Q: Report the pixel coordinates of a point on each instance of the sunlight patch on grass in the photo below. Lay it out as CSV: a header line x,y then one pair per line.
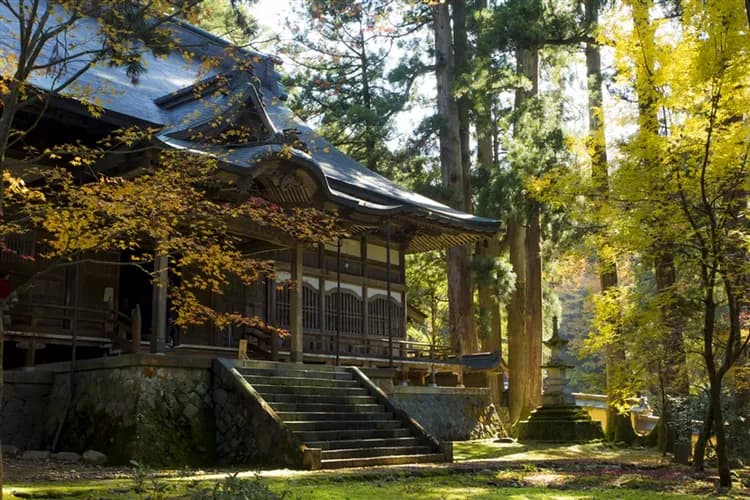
x,y
491,450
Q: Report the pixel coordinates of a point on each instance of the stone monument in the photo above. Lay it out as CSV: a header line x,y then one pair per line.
x,y
558,419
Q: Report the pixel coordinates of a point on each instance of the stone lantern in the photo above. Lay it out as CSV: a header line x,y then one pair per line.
x,y
558,419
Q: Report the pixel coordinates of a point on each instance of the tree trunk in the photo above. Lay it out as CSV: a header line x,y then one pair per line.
x,y
526,300
459,277
534,326
2,387
461,57
489,306
699,453
517,359
722,455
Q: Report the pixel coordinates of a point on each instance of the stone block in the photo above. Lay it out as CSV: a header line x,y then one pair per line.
x,y
36,455
66,456
10,451
94,457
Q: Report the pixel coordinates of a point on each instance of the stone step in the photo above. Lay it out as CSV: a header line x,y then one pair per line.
x,y
363,443
308,390
298,372
284,365
334,415
330,425
300,381
350,434
326,407
273,397
375,452
382,460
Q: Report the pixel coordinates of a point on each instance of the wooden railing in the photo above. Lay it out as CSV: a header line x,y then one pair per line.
x,y
370,347
57,319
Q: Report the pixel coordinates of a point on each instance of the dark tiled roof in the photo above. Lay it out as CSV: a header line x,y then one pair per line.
x,y
161,97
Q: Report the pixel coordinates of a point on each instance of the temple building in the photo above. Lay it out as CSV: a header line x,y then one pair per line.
x,y
349,307
354,287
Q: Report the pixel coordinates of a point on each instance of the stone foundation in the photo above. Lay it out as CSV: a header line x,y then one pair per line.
x,y
154,409
564,424
450,413
24,409
248,430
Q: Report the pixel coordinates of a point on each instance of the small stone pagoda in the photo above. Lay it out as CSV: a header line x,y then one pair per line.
x,y
558,419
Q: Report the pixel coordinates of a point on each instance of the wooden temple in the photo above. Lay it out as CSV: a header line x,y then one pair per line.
x,y
351,306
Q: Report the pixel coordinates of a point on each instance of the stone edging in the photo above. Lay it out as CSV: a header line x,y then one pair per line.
x,y
309,458
127,361
445,447
480,391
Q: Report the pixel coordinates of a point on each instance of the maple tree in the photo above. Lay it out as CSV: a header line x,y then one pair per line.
x,y
679,188
78,212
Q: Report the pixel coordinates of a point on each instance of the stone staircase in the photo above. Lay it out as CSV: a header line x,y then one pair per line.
x,y
334,410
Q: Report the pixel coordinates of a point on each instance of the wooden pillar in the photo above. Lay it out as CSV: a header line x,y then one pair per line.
x,y
365,290
135,334
295,306
159,320
389,308
404,316
338,300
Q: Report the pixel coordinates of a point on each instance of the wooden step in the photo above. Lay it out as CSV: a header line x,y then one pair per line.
x,y
335,415
326,407
375,452
288,397
298,373
361,443
340,463
307,390
342,425
348,434
300,381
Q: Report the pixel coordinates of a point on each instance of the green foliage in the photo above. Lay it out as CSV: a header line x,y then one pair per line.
x,y
233,487
356,63
231,19
147,484
426,277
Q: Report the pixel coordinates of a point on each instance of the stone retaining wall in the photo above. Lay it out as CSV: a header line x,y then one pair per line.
x,y
154,409
248,430
24,407
449,413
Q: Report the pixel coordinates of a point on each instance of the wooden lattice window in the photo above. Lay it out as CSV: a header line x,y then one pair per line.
x,y
281,313
18,249
310,307
351,312
377,317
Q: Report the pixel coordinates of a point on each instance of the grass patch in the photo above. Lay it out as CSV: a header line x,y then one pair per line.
x,y
384,485
538,452
489,470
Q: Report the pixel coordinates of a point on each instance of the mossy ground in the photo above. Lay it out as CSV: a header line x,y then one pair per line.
x,y
483,469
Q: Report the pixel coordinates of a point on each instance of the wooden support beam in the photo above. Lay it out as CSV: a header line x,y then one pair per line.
x,y
295,306
159,320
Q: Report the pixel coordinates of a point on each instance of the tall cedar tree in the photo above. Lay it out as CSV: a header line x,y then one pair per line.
x,y
619,428
460,294
356,63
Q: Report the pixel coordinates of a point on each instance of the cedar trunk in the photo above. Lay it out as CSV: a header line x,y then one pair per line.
x,y
619,427
524,309
534,325
518,362
461,314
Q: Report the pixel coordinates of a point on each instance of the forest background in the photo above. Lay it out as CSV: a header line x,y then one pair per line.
x,y
609,138
627,216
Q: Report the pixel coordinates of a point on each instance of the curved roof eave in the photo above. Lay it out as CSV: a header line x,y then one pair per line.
x,y
241,160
